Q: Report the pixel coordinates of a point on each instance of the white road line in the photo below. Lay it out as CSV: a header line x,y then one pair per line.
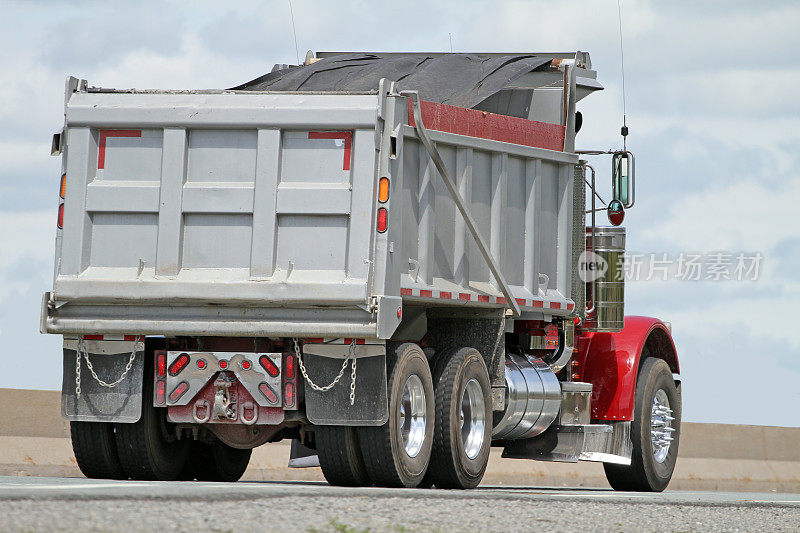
x,y
73,486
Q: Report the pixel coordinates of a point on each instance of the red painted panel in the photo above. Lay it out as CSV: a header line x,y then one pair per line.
x,y
610,362
347,136
101,145
475,123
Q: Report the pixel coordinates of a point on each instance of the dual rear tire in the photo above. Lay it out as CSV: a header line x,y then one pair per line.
x,y
397,453
438,431
150,448
463,421
141,451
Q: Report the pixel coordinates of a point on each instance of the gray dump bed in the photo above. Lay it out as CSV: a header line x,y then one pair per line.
x,y
255,213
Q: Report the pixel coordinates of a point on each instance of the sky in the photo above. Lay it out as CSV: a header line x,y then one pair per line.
x,y
710,102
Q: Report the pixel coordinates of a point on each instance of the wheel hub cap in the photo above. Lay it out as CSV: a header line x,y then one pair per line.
x,y
473,418
413,416
661,426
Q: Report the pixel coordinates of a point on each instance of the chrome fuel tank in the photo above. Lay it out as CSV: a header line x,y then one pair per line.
x,y
533,398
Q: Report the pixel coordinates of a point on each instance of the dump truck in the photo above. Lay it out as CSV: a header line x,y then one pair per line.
x,y
391,259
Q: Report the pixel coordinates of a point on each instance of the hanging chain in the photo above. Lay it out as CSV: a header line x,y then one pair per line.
x,y
351,356
81,351
78,370
353,379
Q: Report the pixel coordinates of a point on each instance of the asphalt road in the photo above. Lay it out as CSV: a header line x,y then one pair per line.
x,y
69,504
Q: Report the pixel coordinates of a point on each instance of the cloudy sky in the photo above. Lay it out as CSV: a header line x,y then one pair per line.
x,y
711,104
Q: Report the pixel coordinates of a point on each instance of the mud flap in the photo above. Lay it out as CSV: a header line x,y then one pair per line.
x,y
96,403
332,407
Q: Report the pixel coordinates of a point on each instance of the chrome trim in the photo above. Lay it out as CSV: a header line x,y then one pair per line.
x,y
533,398
413,416
473,418
566,345
661,426
607,443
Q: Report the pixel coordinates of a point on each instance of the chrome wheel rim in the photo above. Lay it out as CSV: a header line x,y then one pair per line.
x,y
473,418
413,415
661,426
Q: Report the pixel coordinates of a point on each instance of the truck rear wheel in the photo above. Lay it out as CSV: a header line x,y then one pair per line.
x,y
462,435
216,461
150,449
96,450
655,432
340,457
397,453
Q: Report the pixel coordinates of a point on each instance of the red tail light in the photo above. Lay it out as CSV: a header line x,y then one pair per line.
x,y
160,398
383,219
268,392
288,367
161,364
63,188
268,365
178,365
178,391
246,364
223,364
288,394
61,216
201,364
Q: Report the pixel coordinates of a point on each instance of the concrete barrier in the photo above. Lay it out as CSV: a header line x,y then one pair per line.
x,y
34,441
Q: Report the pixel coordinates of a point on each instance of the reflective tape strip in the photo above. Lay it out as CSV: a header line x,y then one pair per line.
x,y
535,303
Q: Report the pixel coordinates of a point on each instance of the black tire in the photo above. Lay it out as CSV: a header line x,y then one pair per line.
x,y
451,467
216,461
96,450
340,457
148,449
385,457
645,474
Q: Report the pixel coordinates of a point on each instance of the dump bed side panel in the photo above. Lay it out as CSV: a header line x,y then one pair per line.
x,y
522,200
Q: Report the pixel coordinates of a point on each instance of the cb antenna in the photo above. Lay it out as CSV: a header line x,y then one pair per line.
x,y
294,32
624,129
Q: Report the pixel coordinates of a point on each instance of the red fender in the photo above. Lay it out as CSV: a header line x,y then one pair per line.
x,y
610,362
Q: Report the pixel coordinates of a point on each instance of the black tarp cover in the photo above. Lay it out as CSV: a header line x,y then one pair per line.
x,y
462,80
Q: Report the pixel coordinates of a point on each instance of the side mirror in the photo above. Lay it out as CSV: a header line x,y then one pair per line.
x,y
623,185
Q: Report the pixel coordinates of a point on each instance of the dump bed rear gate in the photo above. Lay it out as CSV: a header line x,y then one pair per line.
x,y
181,200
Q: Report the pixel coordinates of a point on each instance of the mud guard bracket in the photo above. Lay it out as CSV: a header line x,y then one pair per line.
x,y
96,403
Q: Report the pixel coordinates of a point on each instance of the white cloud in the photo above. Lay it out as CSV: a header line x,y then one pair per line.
x,y
744,215
27,241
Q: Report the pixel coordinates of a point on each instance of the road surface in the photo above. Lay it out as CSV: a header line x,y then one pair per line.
x,y
72,504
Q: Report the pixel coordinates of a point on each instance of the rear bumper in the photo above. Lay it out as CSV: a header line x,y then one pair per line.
x,y
230,321
172,319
